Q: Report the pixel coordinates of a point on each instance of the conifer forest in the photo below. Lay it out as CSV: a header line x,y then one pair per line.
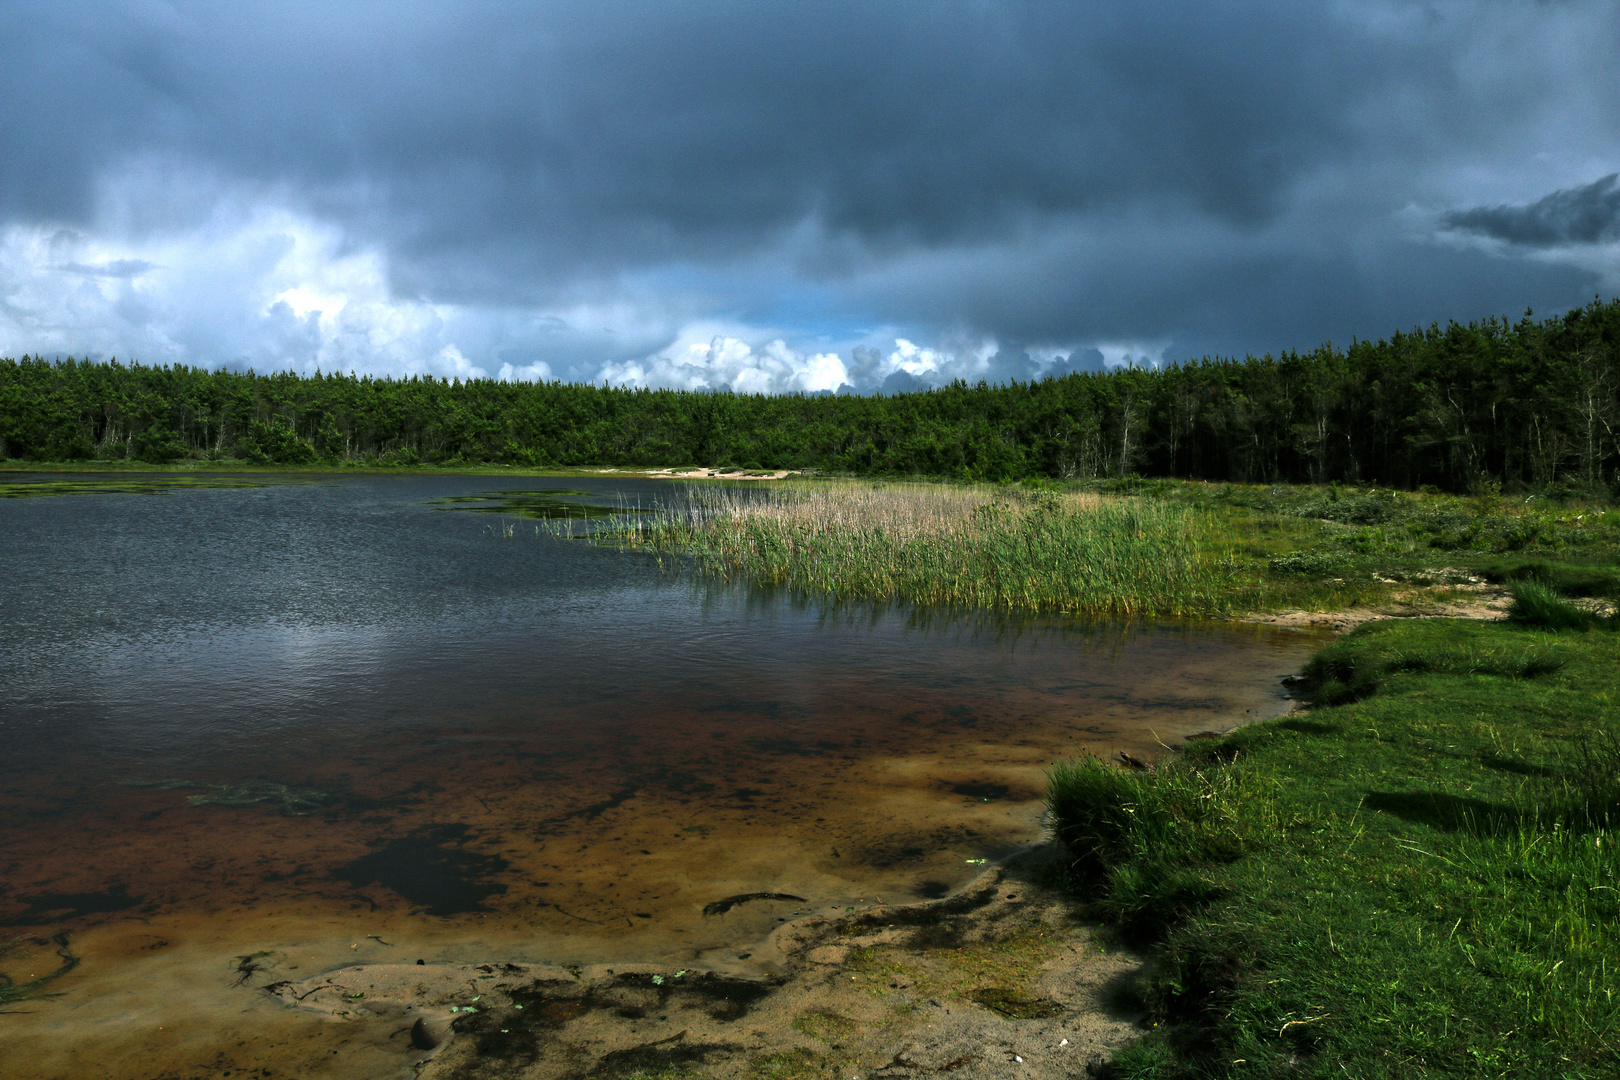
x,y
1533,403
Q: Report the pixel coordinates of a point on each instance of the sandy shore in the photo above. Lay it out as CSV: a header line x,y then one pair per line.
x,y
999,980
1467,600
707,473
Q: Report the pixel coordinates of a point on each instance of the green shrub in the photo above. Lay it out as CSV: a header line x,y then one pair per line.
x,y
1306,564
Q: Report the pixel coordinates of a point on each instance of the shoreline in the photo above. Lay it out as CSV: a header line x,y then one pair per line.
x,y
161,991
651,472
998,979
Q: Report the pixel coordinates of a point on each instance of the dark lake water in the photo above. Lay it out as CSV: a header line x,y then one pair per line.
x,y
301,714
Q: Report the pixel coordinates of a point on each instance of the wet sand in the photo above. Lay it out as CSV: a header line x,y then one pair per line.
x,y
996,981
599,837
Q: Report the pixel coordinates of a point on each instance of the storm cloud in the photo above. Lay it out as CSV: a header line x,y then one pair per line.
x,y
1581,215
789,196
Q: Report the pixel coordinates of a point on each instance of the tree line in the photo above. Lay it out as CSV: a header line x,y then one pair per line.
x,y
1528,403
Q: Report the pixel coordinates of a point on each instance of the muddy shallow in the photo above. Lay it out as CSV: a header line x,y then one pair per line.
x,y
263,734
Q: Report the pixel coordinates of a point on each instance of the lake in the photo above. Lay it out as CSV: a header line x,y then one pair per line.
x,y
344,719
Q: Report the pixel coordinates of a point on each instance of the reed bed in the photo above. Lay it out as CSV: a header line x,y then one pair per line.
x,y
977,546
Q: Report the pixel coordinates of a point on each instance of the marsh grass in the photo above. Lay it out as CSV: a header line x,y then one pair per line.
x,y
1142,843
981,546
1421,881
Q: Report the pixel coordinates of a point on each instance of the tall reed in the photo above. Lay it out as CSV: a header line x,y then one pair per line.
x,y
978,546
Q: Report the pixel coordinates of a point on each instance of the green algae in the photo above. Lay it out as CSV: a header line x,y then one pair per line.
x,y
291,801
544,504
116,485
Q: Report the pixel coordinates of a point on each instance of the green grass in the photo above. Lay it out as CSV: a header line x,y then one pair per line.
x,y
998,547
1562,541
1133,548
1536,604
1418,881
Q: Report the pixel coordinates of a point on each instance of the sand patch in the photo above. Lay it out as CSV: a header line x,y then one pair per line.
x,y
997,980
1468,600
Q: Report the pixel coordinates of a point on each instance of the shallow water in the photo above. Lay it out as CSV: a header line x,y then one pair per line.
x,y
333,722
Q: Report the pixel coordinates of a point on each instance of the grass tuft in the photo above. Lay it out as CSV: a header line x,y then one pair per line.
x,y
1364,662
1536,604
1139,840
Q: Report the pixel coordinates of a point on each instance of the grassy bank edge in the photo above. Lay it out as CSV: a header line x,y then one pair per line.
x,y
1415,877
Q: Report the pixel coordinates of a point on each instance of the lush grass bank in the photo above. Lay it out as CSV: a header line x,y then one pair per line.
x,y
1418,877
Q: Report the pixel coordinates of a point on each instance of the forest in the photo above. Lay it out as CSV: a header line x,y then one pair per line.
x,y
1527,404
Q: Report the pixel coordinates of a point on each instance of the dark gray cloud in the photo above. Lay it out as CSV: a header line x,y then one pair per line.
x,y
1224,176
617,130
1589,214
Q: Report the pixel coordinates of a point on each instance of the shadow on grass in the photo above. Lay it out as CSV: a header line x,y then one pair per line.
x,y
1502,763
1310,727
1451,813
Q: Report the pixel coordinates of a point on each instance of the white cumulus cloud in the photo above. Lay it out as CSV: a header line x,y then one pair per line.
x,y
703,357
264,288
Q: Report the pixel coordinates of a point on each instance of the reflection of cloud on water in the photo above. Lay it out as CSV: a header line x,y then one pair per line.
x,y
256,680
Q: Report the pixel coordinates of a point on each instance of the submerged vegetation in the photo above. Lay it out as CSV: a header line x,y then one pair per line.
x,y
31,952
40,488
543,504
1533,403
291,801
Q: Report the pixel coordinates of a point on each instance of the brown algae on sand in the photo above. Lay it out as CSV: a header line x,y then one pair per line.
x,y
998,980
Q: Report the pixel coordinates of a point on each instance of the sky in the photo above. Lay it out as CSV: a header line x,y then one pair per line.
x,y
792,195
